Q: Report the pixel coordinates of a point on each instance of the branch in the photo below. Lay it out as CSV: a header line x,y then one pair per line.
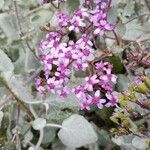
x,y
136,18
17,99
21,29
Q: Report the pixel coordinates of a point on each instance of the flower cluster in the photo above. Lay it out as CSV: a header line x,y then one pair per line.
x,y
61,55
89,94
88,18
138,58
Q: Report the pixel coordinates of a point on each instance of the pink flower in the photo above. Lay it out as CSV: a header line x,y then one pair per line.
x,y
53,84
41,89
103,26
91,81
63,19
82,12
64,74
84,41
84,105
103,5
76,22
79,91
97,100
63,92
113,99
108,78
80,66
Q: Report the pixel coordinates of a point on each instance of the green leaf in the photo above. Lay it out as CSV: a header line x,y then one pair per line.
x,y
118,67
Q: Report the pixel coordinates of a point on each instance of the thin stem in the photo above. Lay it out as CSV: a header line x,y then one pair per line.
x,y
54,5
33,112
40,139
109,4
18,143
17,17
33,102
136,18
54,125
31,49
21,29
116,37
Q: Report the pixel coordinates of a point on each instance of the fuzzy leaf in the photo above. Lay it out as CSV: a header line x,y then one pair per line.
x,y
5,63
122,83
140,143
17,86
77,132
9,26
70,6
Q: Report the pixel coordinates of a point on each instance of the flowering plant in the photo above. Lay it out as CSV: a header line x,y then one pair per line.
x,y
74,74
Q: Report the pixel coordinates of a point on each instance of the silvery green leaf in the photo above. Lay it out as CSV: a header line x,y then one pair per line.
x,y
16,85
28,3
49,135
8,24
133,31
53,20
122,83
57,145
5,63
120,29
146,27
1,4
69,101
110,43
103,138
28,137
39,123
116,2
77,132
140,143
129,8
20,63
112,15
119,140
70,6
31,62
94,146
57,114
40,17
128,146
